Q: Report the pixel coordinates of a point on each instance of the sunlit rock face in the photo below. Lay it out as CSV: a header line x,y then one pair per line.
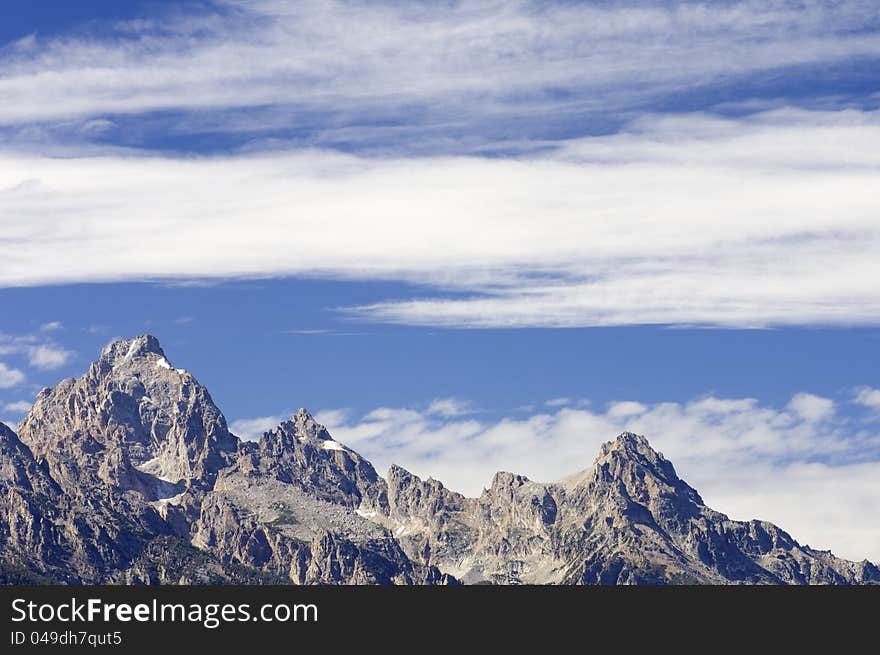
x,y
129,474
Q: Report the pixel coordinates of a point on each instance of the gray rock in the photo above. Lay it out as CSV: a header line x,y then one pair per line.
x,y
627,520
132,422
129,474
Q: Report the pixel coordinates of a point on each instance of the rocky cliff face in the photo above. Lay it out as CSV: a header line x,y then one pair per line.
x,y
129,474
629,519
156,489
133,422
297,504
94,536
29,497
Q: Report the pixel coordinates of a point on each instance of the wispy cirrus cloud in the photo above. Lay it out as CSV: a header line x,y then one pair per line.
x,y
817,478
388,73
762,221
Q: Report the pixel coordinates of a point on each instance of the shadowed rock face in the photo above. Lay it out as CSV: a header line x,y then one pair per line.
x,y
47,535
29,495
129,474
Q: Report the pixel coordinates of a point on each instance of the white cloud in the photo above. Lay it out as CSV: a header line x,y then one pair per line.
x,y
746,459
18,407
10,377
40,353
561,402
754,222
867,397
14,345
48,357
626,408
449,407
812,408
251,429
356,58
332,416
51,326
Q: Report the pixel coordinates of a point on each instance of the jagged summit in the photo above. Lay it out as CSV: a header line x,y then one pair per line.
x,y
300,426
134,452
644,473
301,452
627,449
507,480
635,449
127,349
306,425
630,440
631,444
398,470
141,356
132,420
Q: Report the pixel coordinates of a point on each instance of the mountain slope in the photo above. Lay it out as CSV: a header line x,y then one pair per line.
x,y
629,519
106,536
132,422
129,474
140,448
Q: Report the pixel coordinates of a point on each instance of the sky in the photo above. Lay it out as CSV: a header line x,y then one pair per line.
x,y
469,236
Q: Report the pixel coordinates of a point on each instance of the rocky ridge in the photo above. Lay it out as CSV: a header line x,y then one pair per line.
x,y
129,474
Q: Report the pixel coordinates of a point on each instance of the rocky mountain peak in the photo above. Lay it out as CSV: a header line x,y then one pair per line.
x,y
416,502
300,427
397,473
300,503
630,450
507,482
128,362
301,452
629,443
636,472
306,426
132,420
124,350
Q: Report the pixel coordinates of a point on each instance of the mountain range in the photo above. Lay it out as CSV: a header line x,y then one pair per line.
x,y
130,475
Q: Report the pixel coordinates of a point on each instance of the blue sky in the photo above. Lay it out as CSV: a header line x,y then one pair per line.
x,y
248,341
471,236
